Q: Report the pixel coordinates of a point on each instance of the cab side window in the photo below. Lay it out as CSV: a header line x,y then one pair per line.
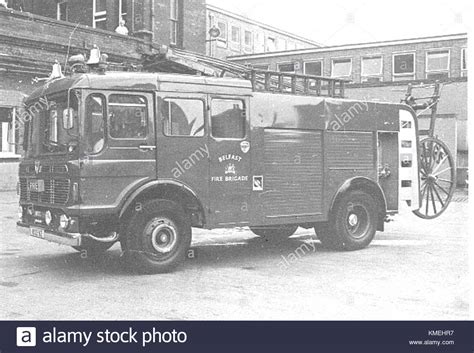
x,y
228,118
94,123
182,117
128,116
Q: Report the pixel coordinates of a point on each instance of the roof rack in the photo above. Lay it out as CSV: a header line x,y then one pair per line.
x,y
181,61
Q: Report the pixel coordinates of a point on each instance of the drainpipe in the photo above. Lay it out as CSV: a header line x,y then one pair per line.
x,y
152,27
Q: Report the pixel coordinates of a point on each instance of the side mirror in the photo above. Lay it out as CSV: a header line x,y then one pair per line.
x,y
68,119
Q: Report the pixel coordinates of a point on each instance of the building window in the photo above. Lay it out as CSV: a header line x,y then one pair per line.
x,y
123,10
248,39
100,14
464,62
228,119
464,59
259,43
235,34
341,67
271,44
287,67
372,69
176,25
437,64
404,66
223,33
183,117
8,134
263,67
62,11
314,68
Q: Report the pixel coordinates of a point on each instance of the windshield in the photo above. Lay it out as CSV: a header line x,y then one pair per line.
x,y
44,131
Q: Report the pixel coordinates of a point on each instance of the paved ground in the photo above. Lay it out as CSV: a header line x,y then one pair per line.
x,y
415,270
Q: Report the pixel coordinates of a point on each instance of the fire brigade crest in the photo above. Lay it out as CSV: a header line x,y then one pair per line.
x,y
245,146
230,169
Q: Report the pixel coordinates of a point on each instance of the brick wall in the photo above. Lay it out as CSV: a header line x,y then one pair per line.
x,y
138,20
195,25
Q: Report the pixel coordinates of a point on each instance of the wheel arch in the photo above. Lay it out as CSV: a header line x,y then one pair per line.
x,y
170,190
369,186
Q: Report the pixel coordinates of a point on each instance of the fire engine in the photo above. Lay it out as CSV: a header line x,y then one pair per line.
x,y
185,141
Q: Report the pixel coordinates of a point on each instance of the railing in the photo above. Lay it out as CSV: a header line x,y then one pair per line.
x,y
282,82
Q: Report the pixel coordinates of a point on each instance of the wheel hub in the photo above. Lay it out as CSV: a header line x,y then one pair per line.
x,y
163,235
353,219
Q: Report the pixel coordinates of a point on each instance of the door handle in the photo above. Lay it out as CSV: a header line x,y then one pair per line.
x,y
147,148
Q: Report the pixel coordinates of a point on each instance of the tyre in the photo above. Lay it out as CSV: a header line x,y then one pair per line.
x,y
278,232
352,224
92,248
157,237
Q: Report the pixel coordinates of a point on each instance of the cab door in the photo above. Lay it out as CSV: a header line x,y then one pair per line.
x,y
183,153
229,167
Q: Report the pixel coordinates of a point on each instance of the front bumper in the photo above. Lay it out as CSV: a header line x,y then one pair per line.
x,y
70,239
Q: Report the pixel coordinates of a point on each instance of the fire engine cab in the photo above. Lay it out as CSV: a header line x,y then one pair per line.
x,y
144,157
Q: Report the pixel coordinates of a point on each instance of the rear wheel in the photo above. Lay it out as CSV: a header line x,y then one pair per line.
x,y
157,237
438,178
276,232
352,224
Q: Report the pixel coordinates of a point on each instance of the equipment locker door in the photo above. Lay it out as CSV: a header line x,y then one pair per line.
x,y
229,169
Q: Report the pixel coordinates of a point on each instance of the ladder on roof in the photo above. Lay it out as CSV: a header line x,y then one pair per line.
x,y
182,61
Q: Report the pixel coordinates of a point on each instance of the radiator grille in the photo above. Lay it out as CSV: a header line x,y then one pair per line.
x,y
56,191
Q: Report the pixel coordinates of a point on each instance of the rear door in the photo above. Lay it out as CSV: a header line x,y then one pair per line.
x,y
229,169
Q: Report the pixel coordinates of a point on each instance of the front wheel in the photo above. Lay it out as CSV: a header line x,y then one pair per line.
x,y
157,237
352,224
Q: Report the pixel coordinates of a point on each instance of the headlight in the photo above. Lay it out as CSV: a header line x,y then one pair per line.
x,y
20,213
48,217
63,221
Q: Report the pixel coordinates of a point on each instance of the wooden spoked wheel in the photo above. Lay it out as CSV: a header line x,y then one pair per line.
x,y
437,178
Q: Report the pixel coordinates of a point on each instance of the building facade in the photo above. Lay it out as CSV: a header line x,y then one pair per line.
x,y
241,35
177,23
382,70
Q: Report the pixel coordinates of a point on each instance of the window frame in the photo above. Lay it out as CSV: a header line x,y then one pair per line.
x,y
147,110
267,40
105,119
463,54
232,27
342,58
98,16
58,10
223,38
413,74
320,60
248,46
122,14
244,104
287,63
260,68
371,56
202,100
174,22
436,50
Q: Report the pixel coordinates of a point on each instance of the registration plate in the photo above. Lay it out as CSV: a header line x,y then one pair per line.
x,y
36,185
37,233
